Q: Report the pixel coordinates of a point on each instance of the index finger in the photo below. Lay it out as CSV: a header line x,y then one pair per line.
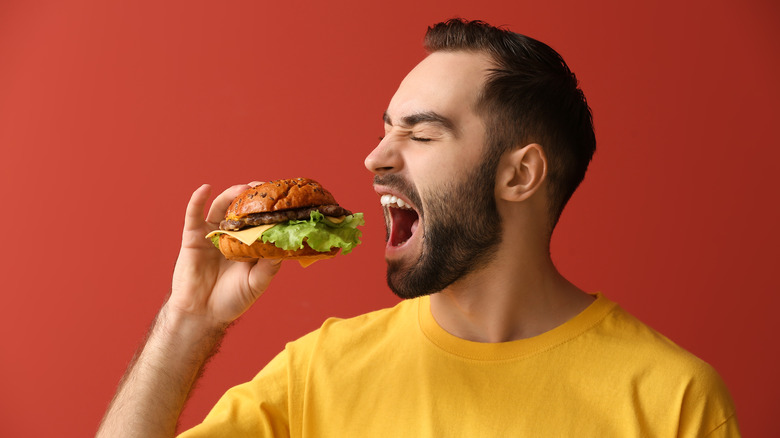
x,y
193,217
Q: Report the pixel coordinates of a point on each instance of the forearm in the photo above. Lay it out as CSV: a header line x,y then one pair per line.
x,y
155,387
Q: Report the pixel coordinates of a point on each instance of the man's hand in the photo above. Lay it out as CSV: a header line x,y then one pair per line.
x,y
209,292
206,285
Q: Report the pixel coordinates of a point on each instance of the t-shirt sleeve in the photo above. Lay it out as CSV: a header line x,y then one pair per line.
x,y
728,429
708,409
258,408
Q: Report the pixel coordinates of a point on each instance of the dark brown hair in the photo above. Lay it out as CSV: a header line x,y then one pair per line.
x,y
530,96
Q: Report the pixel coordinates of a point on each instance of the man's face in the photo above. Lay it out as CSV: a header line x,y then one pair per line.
x,y
435,177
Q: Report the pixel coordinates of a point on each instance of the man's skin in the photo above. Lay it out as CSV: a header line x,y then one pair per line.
x,y
518,294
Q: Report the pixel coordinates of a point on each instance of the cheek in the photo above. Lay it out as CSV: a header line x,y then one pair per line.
x,y
434,169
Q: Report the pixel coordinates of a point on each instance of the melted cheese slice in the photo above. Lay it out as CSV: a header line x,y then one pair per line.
x,y
306,262
248,236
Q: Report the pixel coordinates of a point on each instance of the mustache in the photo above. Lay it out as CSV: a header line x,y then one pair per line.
x,y
400,185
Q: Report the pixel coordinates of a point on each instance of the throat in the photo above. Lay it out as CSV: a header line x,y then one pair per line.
x,y
403,225
504,310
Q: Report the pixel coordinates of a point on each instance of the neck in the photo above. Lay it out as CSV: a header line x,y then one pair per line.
x,y
513,297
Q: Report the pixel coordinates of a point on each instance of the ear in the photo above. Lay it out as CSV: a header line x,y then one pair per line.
x,y
521,173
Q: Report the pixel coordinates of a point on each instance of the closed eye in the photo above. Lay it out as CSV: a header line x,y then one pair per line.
x,y
413,138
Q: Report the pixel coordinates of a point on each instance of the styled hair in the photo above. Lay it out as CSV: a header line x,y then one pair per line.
x,y
529,96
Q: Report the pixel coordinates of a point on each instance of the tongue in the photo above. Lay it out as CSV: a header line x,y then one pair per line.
x,y
404,224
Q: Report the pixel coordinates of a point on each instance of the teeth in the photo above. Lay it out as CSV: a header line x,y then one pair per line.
x,y
390,200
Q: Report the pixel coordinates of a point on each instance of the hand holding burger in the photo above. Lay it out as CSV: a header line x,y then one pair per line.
x,y
213,290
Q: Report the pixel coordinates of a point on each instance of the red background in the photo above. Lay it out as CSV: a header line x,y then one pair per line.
x,y
111,113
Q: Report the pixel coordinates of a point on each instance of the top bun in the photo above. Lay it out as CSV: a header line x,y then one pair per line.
x,y
282,194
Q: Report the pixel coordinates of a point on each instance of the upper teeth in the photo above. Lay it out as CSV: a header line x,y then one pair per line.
x,y
394,200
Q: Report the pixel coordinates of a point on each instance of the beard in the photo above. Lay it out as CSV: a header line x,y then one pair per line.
x,y
461,227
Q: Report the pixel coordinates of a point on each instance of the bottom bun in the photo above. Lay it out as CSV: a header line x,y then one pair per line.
x,y
234,249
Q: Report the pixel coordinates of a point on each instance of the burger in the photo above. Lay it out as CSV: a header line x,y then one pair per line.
x,y
287,219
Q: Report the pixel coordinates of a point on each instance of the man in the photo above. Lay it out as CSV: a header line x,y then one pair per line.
x,y
485,141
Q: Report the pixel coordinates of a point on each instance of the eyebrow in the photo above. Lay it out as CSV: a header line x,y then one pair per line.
x,y
423,117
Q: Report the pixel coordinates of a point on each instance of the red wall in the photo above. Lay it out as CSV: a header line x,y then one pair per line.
x,y
111,113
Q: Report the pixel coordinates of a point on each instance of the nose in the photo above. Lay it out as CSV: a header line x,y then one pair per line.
x,y
385,158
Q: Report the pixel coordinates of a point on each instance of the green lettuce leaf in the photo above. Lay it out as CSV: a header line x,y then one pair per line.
x,y
319,233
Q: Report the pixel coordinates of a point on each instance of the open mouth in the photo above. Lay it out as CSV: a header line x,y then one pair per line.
x,y
403,220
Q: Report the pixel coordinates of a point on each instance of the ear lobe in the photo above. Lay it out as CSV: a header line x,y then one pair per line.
x,y
521,172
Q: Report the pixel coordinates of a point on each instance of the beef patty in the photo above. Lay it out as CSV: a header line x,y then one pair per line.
x,y
274,217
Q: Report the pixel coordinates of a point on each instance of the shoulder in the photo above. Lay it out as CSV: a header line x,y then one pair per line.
x,y
658,368
624,332
370,328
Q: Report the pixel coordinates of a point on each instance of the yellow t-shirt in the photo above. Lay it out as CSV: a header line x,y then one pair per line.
x,y
396,373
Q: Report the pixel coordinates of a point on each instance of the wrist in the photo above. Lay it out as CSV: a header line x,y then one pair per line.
x,y
187,330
